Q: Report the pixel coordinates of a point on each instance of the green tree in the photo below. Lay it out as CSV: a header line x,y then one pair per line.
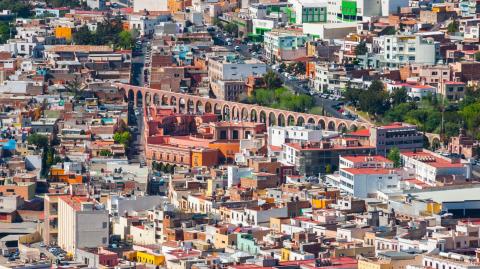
x,y
399,96
374,100
272,80
123,138
39,140
125,40
300,68
328,169
83,36
453,27
361,48
4,32
21,8
232,28
105,153
471,116
477,56
394,156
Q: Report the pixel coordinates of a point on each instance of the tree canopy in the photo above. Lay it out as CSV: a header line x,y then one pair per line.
x,y
282,98
109,32
39,140
394,156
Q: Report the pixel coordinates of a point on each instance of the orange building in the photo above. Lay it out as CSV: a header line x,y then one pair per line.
x,y
59,175
26,190
63,32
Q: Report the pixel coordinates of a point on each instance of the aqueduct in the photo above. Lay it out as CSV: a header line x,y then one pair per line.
x,y
185,103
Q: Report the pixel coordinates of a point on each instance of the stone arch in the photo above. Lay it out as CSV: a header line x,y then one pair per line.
x,y
156,99
139,99
272,119
263,116
173,101
148,98
311,121
181,105
208,107
281,120
342,127
226,113
300,121
290,120
165,100
235,113
321,123
124,94
199,108
244,114
436,144
353,127
217,109
253,115
331,126
190,106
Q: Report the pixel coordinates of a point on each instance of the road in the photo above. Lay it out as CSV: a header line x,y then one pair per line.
x,y
135,115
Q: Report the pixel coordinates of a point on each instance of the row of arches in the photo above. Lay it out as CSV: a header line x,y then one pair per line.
x,y
240,112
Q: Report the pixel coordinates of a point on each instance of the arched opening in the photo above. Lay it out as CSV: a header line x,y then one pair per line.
x,y
148,99
173,101
156,100
281,120
226,113
263,117
181,105
217,109
300,121
199,107
139,99
353,128
235,115
290,120
244,114
131,96
272,120
208,107
164,100
311,121
331,126
253,115
322,124
342,127
435,144
190,106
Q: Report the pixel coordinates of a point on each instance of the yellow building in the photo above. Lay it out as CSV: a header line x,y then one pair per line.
x,y
63,32
150,258
285,255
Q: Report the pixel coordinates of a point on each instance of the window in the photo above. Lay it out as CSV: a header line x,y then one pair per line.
x,y
104,225
104,240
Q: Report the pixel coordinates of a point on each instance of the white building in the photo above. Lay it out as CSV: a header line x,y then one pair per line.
x,y
119,205
145,25
397,51
362,182
448,260
150,5
257,216
312,11
81,223
232,67
279,135
375,161
429,166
